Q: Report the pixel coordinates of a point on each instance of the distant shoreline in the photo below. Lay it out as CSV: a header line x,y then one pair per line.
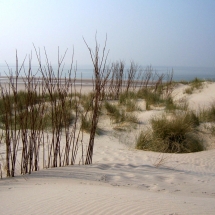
x,y
77,81
179,72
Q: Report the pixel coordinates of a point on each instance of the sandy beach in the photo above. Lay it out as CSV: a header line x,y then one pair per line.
x,y
122,179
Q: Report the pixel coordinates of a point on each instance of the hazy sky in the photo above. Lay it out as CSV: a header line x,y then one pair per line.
x,y
156,32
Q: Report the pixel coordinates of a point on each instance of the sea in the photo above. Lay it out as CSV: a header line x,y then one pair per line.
x,y
180,73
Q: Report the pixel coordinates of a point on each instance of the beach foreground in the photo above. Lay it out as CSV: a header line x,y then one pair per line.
x,y
122,180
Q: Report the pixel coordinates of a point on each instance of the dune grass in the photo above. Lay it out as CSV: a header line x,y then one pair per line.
x,y
175,134
195,84
116,114
119,115
150,96
207,115
86,125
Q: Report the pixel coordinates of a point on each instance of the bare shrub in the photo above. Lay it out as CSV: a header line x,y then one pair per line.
x,y
101,74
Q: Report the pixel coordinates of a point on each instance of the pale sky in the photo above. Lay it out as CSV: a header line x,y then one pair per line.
x,y
157,32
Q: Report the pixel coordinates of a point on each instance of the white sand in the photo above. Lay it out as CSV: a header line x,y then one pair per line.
x,y
121,180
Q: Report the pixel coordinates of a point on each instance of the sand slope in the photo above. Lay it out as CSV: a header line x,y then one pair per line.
x,y
121,180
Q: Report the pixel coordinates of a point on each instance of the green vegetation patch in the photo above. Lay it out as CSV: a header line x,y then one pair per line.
x,y
176,134
86,125
194,84
116,114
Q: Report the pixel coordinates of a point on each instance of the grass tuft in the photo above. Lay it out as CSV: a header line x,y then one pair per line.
x,y
86,125
207,115
115,113
194,84
173,135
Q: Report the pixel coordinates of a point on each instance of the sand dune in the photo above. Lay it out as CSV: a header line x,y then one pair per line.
x,y
122,180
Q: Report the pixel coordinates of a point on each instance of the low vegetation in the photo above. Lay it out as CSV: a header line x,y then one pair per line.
x,y
172,134
196,84
207,115
118,115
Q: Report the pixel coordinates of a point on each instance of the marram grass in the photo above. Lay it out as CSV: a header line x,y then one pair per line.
x,y
176,134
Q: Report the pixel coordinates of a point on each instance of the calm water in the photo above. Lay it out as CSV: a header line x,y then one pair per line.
x,y
189,73
180,73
